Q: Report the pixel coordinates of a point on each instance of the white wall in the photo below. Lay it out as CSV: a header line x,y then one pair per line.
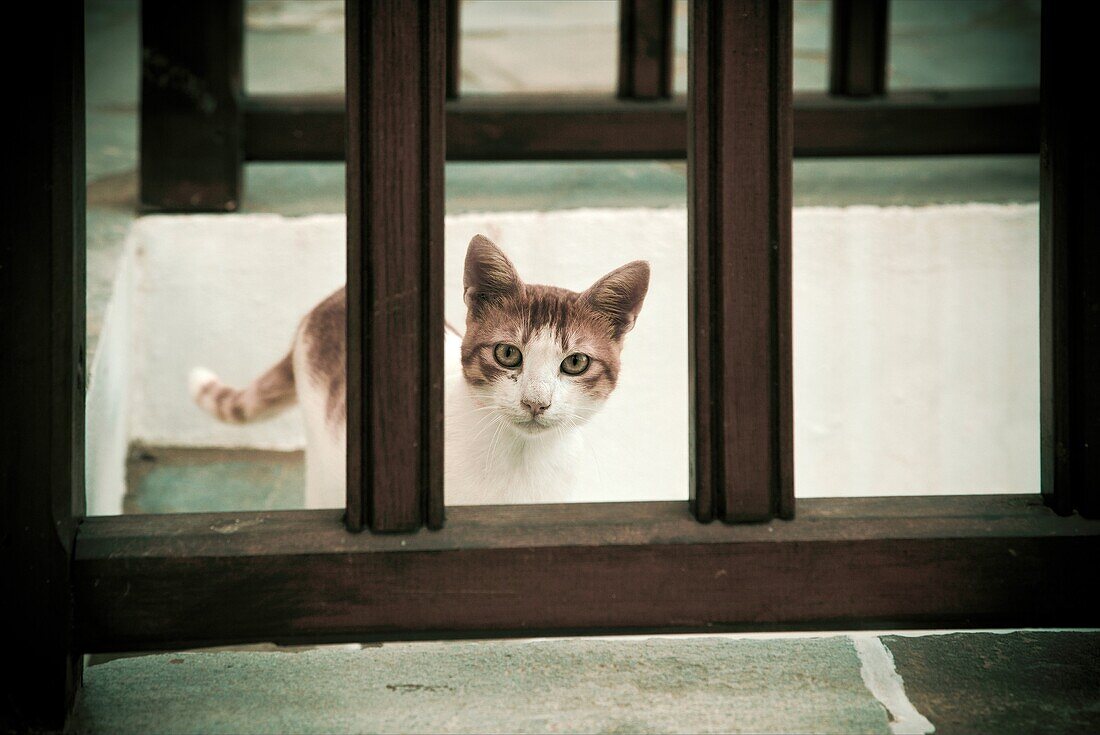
x,y
915,334
225,293
916,350
107,401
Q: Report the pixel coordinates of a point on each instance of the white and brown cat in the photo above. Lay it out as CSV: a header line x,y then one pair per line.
x,y
535,363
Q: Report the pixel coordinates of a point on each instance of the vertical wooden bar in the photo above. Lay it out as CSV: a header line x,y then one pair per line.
x,y
782,160
645,49
395,91
858,49
454,48
191,117
42,326
739,175
703,483
358,414
442,63
1069,301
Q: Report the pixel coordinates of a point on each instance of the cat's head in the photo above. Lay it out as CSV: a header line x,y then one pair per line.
x,y
543,357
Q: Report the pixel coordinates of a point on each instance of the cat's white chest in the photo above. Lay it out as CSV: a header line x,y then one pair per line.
x,y
485,462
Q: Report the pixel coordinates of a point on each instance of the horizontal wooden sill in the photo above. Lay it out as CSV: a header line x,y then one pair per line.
x,y
154,582
556,127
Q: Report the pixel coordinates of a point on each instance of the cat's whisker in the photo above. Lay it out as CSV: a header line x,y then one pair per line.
x,y
488,412
573,419
485,416
483,409
484,426
492,443
483,423
596,460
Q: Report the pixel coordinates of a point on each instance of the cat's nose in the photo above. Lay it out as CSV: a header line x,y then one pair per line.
x,y
535,406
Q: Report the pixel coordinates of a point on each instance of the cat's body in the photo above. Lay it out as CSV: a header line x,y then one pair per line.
x,y
535,363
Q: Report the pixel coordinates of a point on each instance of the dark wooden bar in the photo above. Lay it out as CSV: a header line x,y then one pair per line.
x,y
1069,234
436,27
42,367
507,128
645,49
555,128
295,128
739,222
482,128
395,90
858,47
914,123
155,582
191,148
454,48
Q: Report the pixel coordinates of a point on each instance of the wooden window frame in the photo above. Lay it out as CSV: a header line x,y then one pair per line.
x,y
166,581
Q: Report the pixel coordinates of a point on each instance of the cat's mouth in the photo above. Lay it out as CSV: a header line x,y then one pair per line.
x,y
532,426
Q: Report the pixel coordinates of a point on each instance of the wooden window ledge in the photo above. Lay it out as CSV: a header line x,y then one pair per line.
x,y
155,582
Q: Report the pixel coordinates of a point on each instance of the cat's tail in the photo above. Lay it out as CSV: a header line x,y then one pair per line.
x,y
266,396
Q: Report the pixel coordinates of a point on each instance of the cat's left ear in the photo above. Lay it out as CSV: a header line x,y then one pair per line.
x,y
619,295
488,276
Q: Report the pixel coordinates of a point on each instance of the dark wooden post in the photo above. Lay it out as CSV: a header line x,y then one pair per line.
x,y
645,49
454,48
1069,303
858,49
42,369
191,119
739,220
395,90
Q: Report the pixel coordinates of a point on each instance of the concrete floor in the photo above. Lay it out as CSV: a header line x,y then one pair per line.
x,y
1013,682
178,480
1020,682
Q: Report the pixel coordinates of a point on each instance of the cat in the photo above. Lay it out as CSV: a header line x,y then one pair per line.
x,y
534,365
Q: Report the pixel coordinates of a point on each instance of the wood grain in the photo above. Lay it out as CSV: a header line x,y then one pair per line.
x,y
1069,300
704,467
395,213
740,241
209,579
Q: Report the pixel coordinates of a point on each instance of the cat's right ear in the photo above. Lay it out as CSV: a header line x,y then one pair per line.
x,y
488,277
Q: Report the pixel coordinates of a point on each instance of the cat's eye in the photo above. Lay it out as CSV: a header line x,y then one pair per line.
x,y
507,355
575,364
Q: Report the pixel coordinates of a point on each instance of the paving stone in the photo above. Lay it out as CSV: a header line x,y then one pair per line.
x,y
1020,682
593,686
